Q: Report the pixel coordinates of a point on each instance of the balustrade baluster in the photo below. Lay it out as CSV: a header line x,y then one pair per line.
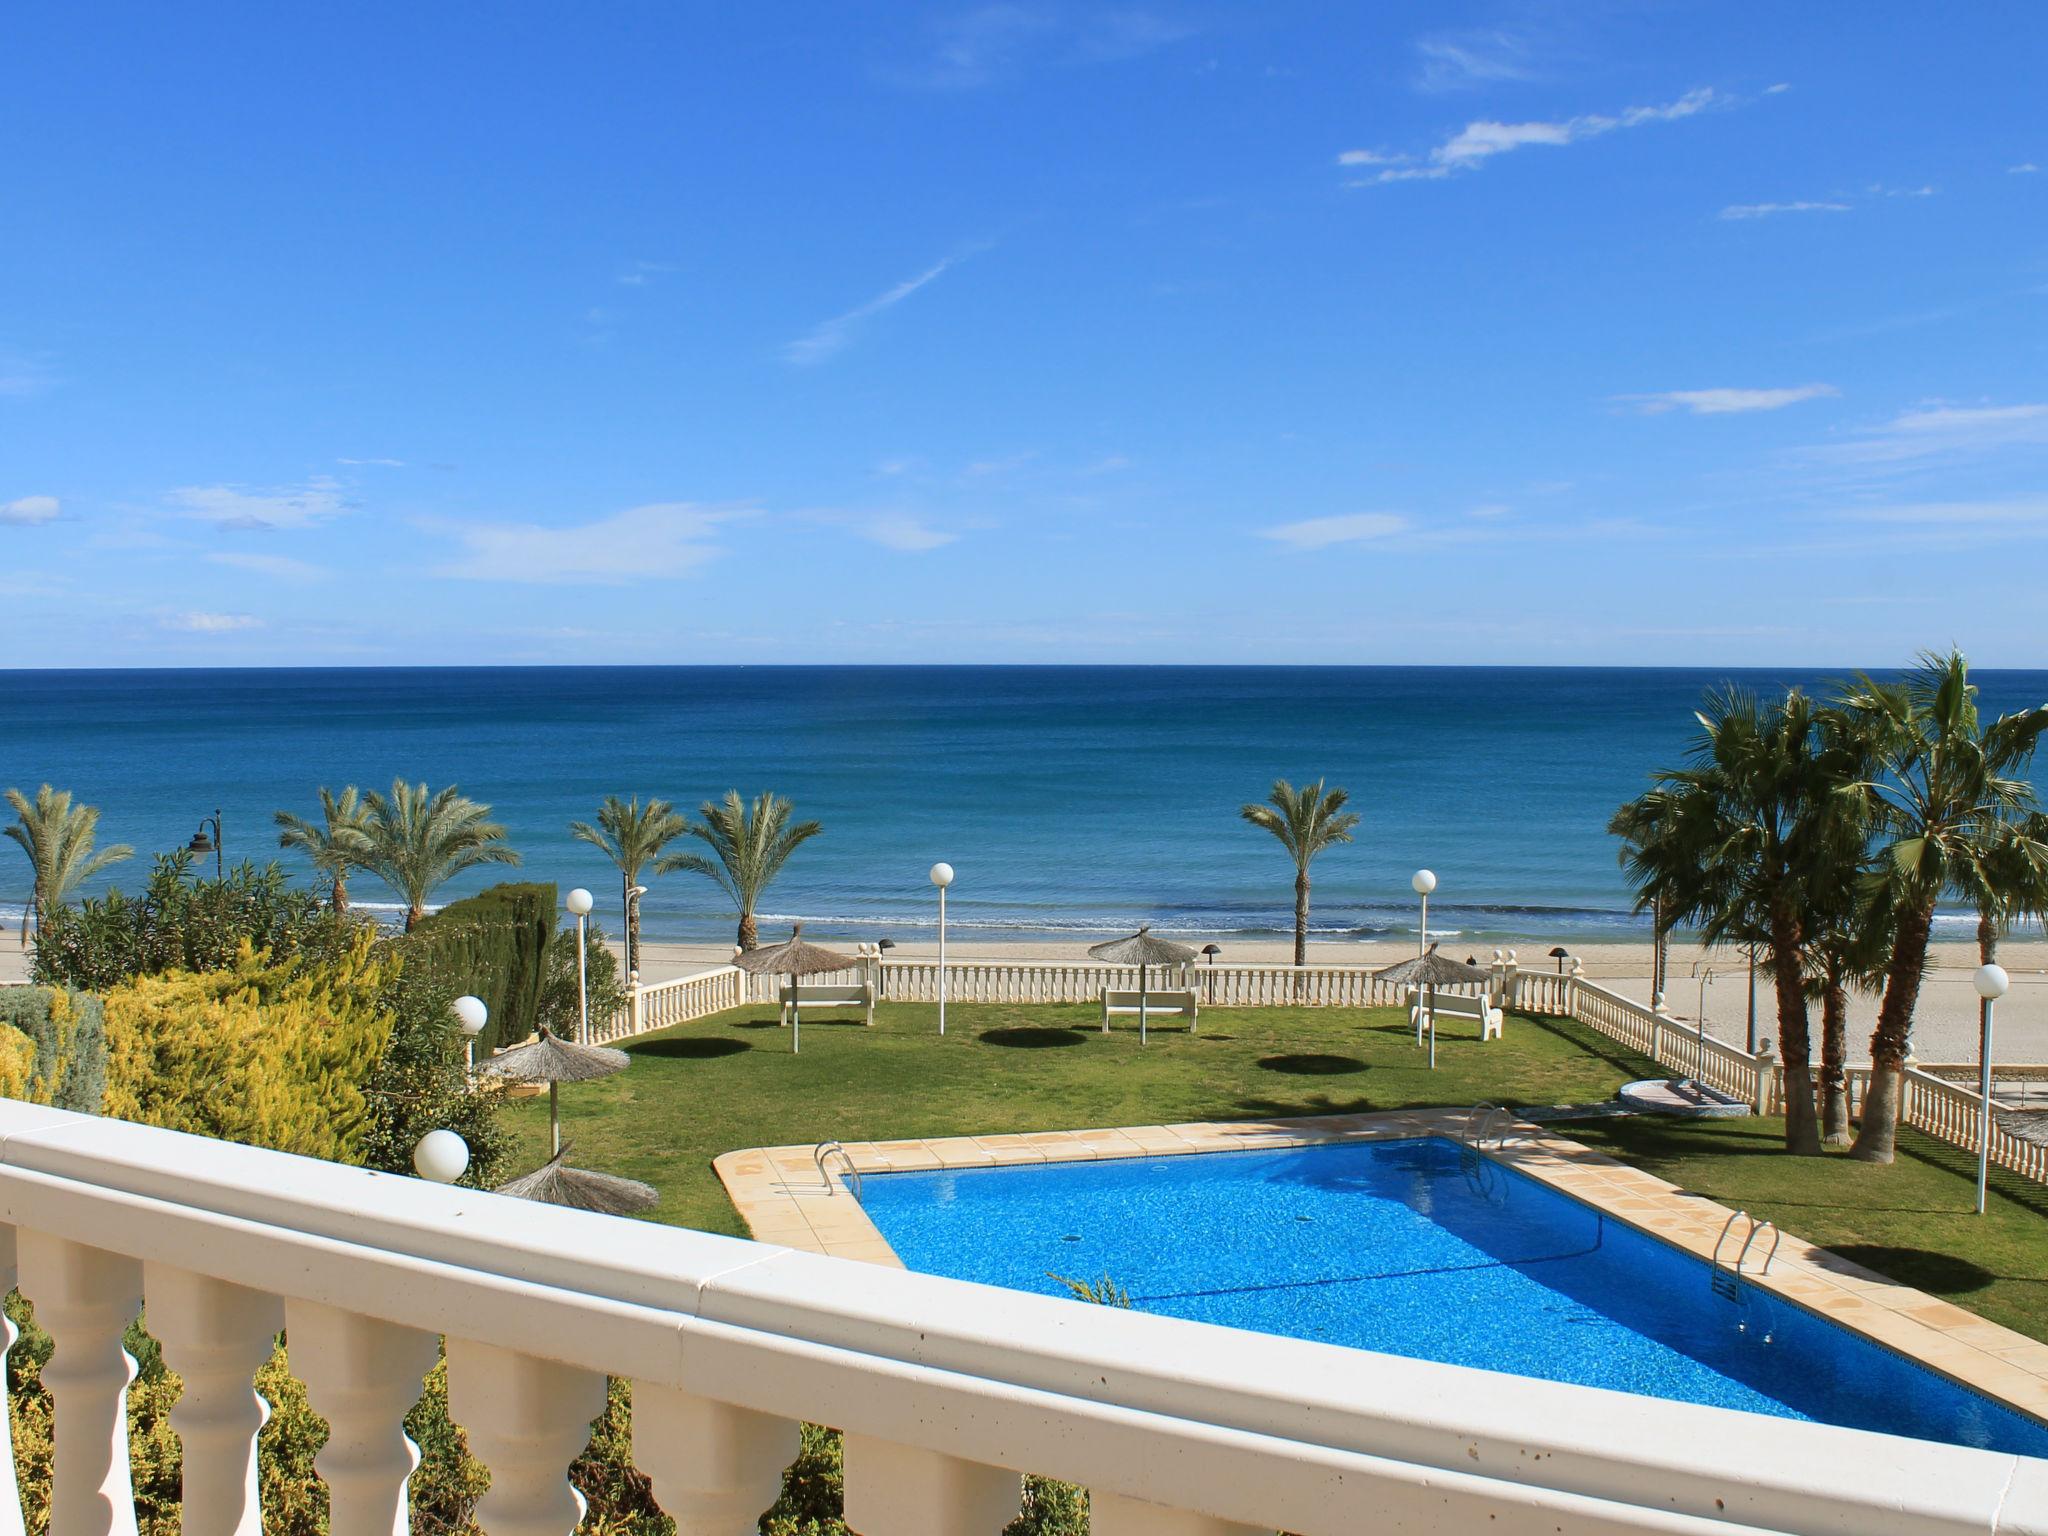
x,y
902,1490
85,1299
1112,1514
715,1468
361,1375
526,1418
215,1335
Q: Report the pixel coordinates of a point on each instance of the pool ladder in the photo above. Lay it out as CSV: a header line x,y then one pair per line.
x,y
1484,1121
824,1153
1727,1277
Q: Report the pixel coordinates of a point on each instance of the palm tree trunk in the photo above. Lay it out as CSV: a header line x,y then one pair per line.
x,y
750,936
1301,916
1834,1050
413,914
631,916
1877,1136
340,894
1795,1043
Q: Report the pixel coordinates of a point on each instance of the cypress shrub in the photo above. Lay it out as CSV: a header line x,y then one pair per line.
x,y
54,1049
493,945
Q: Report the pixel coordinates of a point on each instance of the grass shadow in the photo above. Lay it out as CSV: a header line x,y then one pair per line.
x,y
1312,1065
691,1047
1025,1037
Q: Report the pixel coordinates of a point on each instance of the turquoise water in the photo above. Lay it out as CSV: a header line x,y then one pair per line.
x,y
1070,799
1414,1248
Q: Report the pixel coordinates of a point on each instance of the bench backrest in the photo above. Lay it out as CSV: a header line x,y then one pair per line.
x,y
826,992
1459,1007
1165,1002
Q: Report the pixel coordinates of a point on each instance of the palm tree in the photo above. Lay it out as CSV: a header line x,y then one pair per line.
x,y
1306,820
58,838
419,840
749,846
337,844
1743,842
632,837
1946,796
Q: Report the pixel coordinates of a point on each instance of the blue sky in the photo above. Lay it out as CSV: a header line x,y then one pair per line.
x,y
1610,333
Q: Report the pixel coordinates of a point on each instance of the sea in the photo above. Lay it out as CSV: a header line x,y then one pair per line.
x,y
1072,802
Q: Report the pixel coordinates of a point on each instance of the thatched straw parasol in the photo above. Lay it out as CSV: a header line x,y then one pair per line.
x,y
1144,949
794,958
1426,972
556,1184
555,1061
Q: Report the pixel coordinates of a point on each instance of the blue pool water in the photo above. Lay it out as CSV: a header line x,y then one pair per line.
x,y
1409,1248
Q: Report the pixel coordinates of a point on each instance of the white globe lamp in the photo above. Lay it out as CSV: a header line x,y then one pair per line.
x,y
579,902
470,1017
1423,881
440,1156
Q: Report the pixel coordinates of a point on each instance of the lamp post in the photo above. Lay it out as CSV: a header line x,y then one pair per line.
x,y
1991,983
1752,999
579,902
1423,881
470,1015
1212,951
942,876
1560,954
440,1156
204,843
1699,1048
633,895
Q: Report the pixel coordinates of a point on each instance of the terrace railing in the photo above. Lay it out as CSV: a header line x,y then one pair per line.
x,y
1676,1044
946,1391
1953,1113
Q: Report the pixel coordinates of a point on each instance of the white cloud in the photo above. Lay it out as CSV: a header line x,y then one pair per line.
x,y
1477,142
1777,90
283,567
1937,430
209,623
375,463
899,531
1370,157
233,506
21,376
2024,168
30,510
999,40
639,273
825,340
1452,61
642,543
1349,528
1768,210
1726,402
2008,511
1108,464
1491,509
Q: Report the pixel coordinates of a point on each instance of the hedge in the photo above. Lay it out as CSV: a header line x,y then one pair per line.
x,y
493,945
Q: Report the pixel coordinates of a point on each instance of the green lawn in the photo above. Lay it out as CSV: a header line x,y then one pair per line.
x,y
729,1081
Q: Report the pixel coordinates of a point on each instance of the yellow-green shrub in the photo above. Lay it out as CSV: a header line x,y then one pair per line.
x,y
269,1055
53,1047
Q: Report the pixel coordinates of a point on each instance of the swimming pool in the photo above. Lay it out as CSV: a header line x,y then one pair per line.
x,y
1413,1247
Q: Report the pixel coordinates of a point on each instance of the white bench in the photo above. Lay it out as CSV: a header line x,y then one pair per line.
x,y
1182,1003
817,994
1449,1005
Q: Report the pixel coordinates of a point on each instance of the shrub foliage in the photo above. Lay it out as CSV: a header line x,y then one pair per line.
x,y
493,945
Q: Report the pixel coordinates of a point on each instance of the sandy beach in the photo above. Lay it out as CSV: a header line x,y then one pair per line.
x,y
1946,1022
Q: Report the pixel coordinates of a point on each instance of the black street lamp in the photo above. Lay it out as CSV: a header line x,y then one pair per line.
x,y
1560,954
202,843
1212,951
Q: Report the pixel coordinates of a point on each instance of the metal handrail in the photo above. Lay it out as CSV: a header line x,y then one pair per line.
x,y
823,1153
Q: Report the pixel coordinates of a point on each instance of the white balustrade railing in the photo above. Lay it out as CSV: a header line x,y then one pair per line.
x,y
662,1004
1734,1071
1953,1113
946,1391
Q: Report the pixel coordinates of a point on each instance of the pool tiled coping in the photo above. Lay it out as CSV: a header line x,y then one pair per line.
x,y
780,1196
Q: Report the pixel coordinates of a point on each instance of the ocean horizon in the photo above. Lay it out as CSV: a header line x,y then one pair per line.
x,y
1071,800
